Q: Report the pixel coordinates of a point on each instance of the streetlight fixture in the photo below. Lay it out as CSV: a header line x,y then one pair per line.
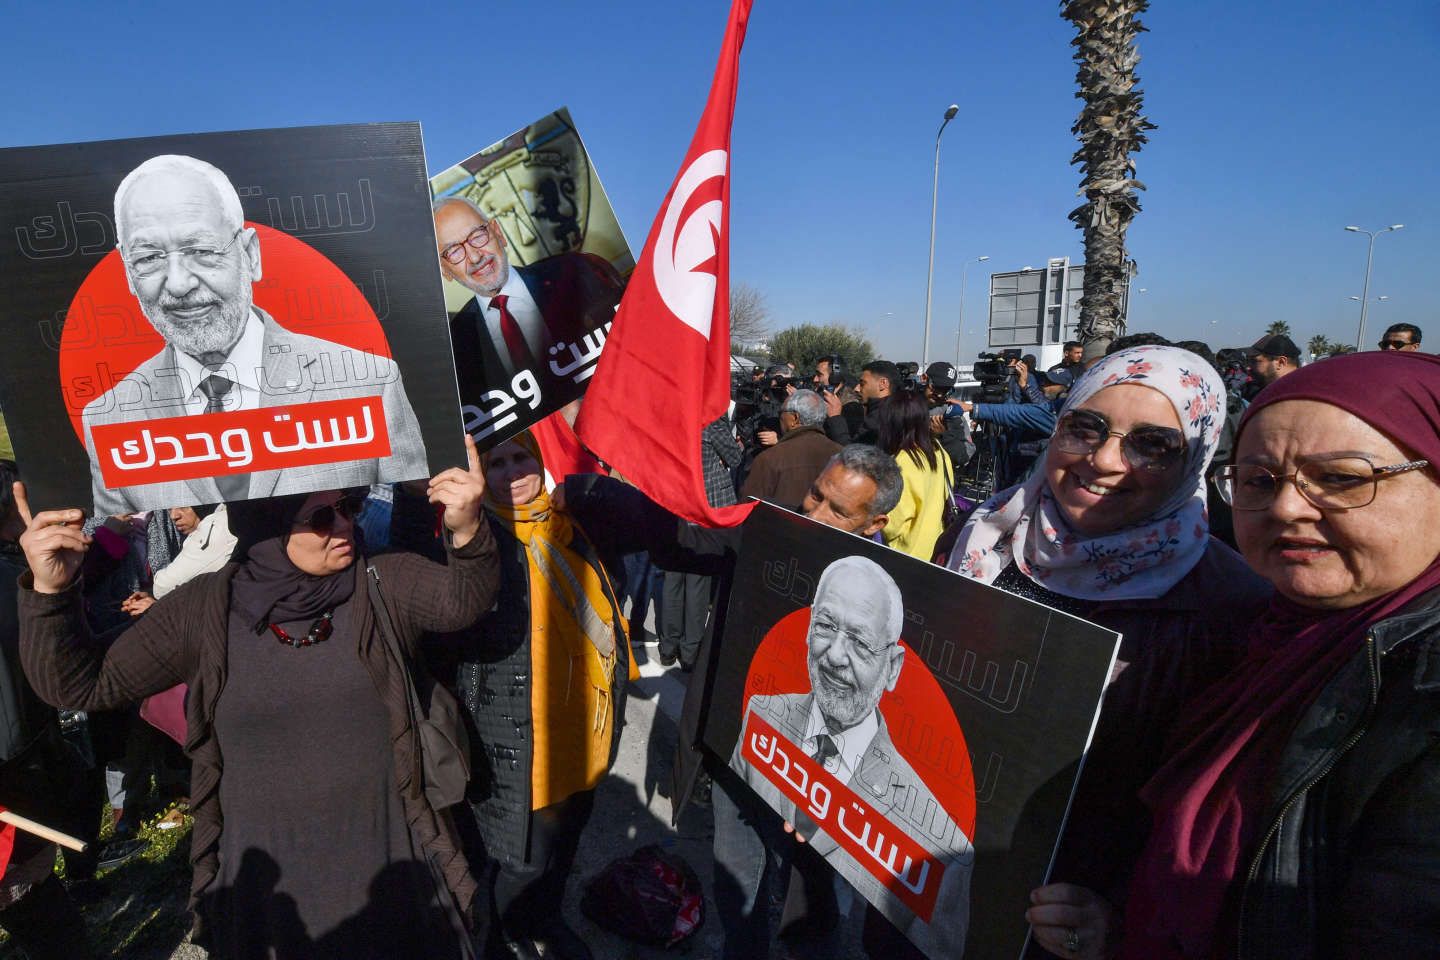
x,y
1365,291
960,328
950,112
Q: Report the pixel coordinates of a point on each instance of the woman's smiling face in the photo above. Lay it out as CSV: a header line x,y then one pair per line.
x,y
1100,492
512,475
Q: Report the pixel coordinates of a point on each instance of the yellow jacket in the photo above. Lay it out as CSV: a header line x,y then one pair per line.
x,y
918,519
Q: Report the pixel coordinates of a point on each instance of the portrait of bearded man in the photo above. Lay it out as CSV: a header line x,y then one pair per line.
x,y
191,263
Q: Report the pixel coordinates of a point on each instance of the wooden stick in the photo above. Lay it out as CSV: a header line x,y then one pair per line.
x,y
42,831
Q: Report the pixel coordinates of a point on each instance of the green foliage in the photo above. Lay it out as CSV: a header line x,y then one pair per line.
x,y
1319,345
1278,328
807,343
7,452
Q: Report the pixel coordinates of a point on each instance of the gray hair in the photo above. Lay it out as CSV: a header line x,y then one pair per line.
x,y
871,571
173,163
439,202
807,406
880,467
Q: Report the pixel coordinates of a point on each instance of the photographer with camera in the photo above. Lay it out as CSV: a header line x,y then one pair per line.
x,y
878,380
1013,417
757,409
951,432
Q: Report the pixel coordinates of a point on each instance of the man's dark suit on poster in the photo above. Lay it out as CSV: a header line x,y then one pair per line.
x,y
576,293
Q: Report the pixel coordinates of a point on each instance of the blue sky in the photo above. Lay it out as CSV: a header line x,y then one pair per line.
x,y
1279,123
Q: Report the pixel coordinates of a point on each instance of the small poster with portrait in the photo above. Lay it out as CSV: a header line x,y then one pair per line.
x,y
535,264
222,316
922,731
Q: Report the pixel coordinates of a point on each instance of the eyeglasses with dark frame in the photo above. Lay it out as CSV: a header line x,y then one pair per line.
x,y
149,263
476,239
1330,483
322,518
1146,447
1388,344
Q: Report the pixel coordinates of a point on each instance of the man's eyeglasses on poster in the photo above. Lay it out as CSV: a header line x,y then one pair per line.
x,y
149,262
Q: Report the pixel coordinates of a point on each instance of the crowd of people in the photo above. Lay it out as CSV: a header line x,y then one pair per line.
x,y
1263,781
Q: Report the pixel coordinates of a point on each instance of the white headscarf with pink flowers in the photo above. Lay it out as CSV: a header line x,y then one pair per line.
x,y
1140,561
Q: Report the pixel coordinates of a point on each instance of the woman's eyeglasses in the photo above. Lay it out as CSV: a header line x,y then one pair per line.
x,y
322,519
1144,448
1330,483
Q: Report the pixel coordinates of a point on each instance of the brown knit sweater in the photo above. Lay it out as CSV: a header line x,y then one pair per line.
x,y
183,640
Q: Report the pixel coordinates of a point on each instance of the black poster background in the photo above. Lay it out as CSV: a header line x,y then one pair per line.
x,y
356,193
1024,680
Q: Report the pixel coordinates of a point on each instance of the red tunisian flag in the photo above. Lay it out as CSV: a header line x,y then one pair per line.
x,y
665,371
563,452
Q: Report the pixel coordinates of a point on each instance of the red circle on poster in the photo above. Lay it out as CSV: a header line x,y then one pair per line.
x,y
106,336
917,713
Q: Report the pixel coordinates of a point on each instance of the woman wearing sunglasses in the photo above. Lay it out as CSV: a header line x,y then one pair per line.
x,y
543,676
1298,814
313,836
1111,526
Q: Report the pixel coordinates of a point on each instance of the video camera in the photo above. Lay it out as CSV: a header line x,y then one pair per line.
x,y
994,367
909,374
992,370
758,402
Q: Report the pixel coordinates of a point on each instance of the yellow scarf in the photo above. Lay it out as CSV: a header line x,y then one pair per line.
x,y
573,636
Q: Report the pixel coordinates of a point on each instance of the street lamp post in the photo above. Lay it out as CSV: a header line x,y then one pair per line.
x,y
1365,292
950,112
960,328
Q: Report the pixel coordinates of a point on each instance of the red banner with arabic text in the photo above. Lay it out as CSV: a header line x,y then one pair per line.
x,y
241,441
901,864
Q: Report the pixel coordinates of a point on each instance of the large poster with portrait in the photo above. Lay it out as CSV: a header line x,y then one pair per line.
x,y
222,316
923,732
534,264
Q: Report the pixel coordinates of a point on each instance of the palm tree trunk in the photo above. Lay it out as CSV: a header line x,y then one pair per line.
x,y
1110,128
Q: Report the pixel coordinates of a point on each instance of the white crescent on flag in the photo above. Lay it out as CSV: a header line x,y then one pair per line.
x,y
681,247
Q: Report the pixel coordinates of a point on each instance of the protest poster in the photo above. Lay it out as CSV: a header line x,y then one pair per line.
x,y
534,264
222,316
921,730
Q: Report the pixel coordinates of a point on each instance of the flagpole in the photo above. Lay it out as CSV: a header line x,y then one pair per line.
x,y
41,831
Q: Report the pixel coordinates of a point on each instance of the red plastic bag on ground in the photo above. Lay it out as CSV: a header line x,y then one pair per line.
x,y
651,896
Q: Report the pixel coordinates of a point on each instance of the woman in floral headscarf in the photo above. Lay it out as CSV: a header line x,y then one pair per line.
x,y
1111,527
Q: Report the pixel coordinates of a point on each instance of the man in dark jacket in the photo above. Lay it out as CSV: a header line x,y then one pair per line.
x,y
878,379
782,474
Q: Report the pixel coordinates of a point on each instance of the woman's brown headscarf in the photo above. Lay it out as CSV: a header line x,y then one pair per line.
x,y
268,588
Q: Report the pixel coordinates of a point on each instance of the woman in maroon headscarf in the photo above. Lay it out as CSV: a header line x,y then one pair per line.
x,y
1299,813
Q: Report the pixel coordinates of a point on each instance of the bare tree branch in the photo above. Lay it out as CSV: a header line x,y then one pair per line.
x,y
749,314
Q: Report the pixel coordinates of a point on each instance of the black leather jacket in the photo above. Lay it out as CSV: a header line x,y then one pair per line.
x,y
1349,863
